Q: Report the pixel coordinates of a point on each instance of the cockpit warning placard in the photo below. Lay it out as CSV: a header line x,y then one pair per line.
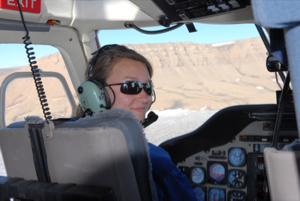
x,y
31,6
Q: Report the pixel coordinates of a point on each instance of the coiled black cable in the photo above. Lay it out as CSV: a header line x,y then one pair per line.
x,y
34,69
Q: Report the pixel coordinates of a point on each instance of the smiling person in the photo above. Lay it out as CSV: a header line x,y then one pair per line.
x,y
128,75
130,70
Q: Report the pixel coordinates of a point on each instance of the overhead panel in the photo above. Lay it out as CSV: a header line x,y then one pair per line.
x,y
179,10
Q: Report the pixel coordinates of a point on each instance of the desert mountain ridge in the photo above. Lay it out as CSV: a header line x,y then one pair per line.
x,y
186,75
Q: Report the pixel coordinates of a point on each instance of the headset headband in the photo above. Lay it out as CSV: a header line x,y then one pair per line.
x,y
95,56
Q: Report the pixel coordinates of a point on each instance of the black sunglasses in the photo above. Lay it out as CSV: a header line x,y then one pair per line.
x,y
135,87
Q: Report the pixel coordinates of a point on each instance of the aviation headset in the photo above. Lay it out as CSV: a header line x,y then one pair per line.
x,y
92,94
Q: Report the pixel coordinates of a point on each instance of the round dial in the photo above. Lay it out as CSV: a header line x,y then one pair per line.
x,y
200,194
197,175
237,157
236,196
236,179
216,194
217,172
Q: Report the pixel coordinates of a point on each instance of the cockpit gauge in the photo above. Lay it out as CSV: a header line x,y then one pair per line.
x,y
217,172
236,178
237,157
200,193
236,196
216,194
197,175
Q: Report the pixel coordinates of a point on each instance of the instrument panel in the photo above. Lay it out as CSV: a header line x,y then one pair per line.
x,y
179,10
234,171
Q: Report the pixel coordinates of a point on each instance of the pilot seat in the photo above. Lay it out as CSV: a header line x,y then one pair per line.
x,y
104,157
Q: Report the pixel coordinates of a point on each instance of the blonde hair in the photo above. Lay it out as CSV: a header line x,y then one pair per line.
x,y
106,59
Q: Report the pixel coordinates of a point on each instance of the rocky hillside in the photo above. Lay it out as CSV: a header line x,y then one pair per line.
x,y
186,75
210,76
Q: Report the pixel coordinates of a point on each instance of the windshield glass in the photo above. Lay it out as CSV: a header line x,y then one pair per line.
x,y
197,74
21,98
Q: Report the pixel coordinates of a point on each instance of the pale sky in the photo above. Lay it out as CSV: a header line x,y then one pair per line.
x,y
15,55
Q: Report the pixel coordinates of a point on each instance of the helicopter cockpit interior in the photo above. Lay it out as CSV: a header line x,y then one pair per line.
x,y
243,152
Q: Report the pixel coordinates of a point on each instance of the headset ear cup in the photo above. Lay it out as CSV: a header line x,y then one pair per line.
x,y
91,97
103,92
102,85
107,98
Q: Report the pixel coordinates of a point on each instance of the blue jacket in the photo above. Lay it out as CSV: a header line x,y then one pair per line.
x,y
170,183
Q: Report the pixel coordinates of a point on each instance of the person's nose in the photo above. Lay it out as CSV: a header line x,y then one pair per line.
x,y
143,97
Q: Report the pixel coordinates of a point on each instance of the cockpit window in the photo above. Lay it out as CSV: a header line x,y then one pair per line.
x,y
197,74
21,99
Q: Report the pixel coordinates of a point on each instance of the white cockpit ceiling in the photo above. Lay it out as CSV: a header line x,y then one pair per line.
x,y
87,15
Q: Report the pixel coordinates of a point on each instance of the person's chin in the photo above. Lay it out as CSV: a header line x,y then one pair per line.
x,y
139,113
139,116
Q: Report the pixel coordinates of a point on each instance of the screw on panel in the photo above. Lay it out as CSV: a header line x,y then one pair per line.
x,y
70,39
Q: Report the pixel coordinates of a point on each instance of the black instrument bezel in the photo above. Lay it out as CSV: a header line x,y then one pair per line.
x,y
190,175
245,153
245,175
210,179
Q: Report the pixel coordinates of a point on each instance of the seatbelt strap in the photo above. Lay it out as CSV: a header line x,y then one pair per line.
x,y
37,130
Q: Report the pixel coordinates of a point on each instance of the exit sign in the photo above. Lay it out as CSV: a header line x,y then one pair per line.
x,y
30,6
